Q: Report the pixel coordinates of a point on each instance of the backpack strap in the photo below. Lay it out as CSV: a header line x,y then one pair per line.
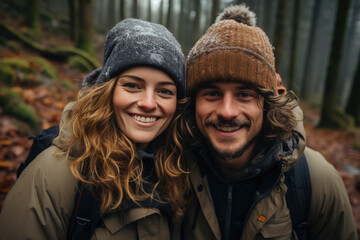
x,y
85,216
298,196
41,142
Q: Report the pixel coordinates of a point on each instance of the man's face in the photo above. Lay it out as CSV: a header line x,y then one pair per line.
x,y
230,116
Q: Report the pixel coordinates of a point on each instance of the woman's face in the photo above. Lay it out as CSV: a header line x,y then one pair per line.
x,y
144,103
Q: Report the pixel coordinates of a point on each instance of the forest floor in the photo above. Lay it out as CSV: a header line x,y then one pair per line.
x,y
338,147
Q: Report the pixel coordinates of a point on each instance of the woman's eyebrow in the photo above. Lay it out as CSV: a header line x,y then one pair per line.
x,y
167,83
133,77
143,80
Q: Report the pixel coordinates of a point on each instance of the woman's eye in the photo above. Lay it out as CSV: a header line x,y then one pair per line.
x,y
131,86
166,92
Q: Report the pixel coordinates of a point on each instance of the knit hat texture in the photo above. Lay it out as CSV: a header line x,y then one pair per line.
x,y
133,42
232,49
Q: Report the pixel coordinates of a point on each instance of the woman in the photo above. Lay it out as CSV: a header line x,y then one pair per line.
x,y
117,141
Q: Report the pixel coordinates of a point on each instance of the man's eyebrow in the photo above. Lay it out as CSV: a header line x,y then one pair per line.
x,y
210,86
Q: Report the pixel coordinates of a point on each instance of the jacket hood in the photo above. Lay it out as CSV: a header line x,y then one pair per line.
x,y
291,154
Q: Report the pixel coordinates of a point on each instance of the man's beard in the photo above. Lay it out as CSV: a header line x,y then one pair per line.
x,y
228,155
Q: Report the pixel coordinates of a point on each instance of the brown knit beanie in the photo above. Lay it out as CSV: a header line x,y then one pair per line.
x,y
232,49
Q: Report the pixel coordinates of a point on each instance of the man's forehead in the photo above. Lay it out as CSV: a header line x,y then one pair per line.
x,y
222,84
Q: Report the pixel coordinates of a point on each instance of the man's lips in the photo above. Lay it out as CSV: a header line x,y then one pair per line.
x,y
227,128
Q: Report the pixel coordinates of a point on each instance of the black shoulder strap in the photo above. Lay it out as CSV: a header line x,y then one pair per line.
x,y
298,196
41,141
85,216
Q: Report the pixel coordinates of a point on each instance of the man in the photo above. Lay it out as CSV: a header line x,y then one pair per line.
x,y
247,137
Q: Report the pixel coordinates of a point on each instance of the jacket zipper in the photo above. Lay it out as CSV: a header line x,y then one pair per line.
x,y
261,196
228,212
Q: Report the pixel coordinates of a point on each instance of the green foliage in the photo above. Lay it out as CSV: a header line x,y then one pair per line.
x,y
68,85
46,67
13,104
13,46
79,64
17,63
7,75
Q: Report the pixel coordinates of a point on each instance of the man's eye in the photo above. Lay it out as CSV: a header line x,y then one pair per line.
x,y
131,86
247,94
212,94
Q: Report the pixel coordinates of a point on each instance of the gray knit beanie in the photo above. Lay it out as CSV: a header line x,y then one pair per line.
x,y
133,42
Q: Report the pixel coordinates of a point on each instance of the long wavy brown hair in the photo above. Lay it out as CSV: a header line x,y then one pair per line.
x,y
278,123
102,156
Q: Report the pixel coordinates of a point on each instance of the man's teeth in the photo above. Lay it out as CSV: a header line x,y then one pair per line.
x,y
227,129
144,119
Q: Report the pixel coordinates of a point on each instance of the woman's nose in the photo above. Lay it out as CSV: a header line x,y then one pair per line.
x,y
147,101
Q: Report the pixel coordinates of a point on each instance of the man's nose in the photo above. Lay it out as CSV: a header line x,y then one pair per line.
x,y
228,109
147,101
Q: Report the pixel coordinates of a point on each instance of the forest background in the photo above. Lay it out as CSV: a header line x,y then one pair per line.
x,y
48,46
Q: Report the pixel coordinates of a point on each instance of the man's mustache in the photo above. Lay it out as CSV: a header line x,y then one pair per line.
x,y
220,122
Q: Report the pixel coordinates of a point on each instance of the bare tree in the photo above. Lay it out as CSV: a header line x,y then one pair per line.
x,y
196,33
84,39
149,11
33,16
280,31
328,110
215,10
122,9
292,75
169,14
353,104
161,11
310,51
181,22
135,9
73,19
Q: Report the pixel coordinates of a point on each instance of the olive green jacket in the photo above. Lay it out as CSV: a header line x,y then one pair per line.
x,y
330,215
40,205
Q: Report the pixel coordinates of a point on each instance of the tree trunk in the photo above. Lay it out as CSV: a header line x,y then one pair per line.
x,y
122,9
196,32
161,12
33,17
181,22
169,15
86,26
215,10
73,19
353,104
293,57
110,15
332,74
280,31
135,9
310,51
149,11
347,68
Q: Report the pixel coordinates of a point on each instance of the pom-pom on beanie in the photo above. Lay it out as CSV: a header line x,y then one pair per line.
x,y
232,49
133,42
